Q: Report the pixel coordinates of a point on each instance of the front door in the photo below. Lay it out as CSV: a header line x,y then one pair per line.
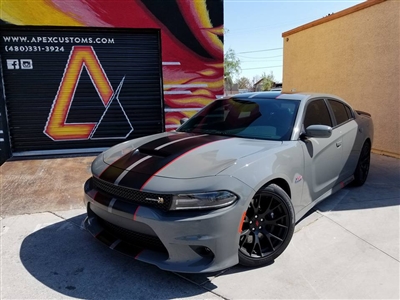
x,y
322,156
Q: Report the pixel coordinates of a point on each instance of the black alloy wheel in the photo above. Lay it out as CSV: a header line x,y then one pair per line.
x,y
362,169
267,227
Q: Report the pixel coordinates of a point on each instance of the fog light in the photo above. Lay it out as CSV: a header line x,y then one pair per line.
x,y
203,251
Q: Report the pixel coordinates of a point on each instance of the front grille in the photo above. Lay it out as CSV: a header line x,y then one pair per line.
x,y
133,238
131,195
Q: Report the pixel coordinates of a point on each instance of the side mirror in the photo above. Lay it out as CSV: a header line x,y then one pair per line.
x,y
318,131
183,120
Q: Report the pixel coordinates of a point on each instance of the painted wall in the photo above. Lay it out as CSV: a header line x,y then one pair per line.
x,y
356,57
191,35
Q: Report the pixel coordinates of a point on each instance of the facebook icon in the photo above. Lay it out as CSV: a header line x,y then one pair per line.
x,y
12,64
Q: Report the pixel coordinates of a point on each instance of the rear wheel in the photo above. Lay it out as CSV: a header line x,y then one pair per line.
x,y
362,169
267,228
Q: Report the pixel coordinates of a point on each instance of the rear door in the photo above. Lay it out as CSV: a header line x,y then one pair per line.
x,y
346,127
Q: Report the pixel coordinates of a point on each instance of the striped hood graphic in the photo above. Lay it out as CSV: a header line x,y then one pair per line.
x,y
177,155
136,167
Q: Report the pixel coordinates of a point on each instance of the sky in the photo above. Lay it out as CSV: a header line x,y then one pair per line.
x,y
257,25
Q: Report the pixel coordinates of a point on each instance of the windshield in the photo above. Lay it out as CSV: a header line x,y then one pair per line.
x,y
269,119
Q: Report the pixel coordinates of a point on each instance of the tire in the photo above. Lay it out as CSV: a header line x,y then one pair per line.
x,y
267,228
364,161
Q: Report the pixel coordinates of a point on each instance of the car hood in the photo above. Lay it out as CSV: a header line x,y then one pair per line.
x,y
182,155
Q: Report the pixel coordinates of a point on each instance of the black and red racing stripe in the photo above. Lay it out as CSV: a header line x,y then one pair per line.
x,y
143,172
113,171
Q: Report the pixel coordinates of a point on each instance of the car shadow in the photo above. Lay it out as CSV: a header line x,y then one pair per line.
x,y
67,259
207,278
381,189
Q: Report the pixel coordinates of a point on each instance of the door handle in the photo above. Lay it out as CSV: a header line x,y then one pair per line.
x,y
338,144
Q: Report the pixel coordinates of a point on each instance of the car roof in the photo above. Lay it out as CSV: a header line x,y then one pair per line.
x,y
280,95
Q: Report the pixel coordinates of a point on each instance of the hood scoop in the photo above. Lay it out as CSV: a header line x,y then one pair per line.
x,y
153,152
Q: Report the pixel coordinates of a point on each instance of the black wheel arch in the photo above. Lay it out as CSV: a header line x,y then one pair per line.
x,y
282,183
368,140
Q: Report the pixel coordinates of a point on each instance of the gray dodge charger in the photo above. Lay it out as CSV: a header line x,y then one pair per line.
x,y
230,184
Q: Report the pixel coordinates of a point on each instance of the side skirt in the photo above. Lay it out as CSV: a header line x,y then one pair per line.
x,y
328,193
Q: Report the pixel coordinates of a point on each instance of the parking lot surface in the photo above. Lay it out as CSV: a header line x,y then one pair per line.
x,y
347,248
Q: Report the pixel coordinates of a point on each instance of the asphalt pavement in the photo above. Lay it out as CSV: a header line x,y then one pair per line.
x,y
347,248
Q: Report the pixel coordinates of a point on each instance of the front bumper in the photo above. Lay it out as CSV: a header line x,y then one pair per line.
x,y
179,241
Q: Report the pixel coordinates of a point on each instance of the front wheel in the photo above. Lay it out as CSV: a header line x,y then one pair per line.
x,y
267,227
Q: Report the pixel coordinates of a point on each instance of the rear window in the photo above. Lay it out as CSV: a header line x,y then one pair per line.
x,y
340,112
349,112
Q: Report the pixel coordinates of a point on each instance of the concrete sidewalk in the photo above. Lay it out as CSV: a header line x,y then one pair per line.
x,y
348,248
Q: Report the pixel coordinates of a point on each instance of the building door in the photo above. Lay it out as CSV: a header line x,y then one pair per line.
x,y
74,90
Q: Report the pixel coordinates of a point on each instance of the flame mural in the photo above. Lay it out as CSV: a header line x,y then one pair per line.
x,y
191,37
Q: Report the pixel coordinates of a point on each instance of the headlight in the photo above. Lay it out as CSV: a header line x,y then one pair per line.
x,y
208,200
116,152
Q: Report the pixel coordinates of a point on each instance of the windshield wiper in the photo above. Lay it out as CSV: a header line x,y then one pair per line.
x,y
217,132
184,130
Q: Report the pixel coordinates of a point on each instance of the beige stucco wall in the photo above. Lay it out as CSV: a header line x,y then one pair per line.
x,y
356,57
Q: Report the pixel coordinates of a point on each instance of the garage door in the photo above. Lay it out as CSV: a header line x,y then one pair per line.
x,y
71,90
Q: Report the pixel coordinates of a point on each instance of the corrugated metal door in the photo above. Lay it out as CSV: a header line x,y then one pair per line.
x,y
4,147
80,89
4,140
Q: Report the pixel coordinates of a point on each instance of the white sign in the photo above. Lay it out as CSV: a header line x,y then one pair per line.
x,y
26,64
12,64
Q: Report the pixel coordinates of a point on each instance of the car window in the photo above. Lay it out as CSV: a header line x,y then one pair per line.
x,y
317,114
270,119
339,110
349,112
